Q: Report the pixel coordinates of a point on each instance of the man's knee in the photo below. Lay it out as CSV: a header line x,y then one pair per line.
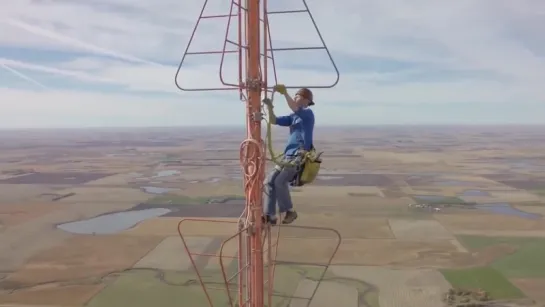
x,y
270,180
281,182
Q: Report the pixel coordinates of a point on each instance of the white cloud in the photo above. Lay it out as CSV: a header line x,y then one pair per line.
x,y
393,55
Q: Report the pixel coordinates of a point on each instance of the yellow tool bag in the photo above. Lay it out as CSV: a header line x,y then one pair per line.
x,y
309,169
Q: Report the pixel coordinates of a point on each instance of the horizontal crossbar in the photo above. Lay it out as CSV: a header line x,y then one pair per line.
x,y
273,49
224,16
212,52
288,12
297,48
218,16
269,13
246,47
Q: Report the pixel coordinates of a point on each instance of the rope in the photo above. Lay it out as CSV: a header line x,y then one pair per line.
x,y
274,157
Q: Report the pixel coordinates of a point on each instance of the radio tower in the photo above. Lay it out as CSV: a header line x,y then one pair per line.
x,y
256,257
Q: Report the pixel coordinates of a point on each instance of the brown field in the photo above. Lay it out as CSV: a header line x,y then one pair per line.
x,y
389,254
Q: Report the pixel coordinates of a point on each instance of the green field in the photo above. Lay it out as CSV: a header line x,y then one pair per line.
x,y
526,261
540,192
144,288
485,278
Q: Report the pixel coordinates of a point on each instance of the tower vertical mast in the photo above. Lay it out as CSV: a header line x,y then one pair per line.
x,y
254,191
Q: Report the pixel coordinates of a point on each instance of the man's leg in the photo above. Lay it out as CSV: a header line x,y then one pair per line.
x,y
281,186
269,197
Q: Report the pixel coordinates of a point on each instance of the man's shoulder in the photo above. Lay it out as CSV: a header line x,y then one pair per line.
x,y
305,112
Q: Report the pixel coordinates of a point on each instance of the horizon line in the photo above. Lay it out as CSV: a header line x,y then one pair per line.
x,y
263,126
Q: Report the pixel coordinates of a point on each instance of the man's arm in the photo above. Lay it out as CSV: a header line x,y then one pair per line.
x,y
291,103
283,121
281,89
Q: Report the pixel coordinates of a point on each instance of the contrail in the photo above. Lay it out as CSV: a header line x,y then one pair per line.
x,y
51,70
84,45
63,72
75,42
23,76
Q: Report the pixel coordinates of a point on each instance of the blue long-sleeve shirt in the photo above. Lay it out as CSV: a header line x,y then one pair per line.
x,y
301,125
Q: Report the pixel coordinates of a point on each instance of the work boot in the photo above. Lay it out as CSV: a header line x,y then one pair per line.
x,y
267,219
289,217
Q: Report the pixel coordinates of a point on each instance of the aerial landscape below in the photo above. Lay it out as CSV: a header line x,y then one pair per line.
x,y
429,216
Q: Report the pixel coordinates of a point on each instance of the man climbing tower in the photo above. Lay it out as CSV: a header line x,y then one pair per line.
x,y
300,141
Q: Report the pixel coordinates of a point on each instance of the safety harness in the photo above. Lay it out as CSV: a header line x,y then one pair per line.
x,y
308,170
308,166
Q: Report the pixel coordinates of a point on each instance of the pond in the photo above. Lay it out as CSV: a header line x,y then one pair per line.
x,y
438,199
112,222
475,193
166,173
507,209
157,190
453,183
434,198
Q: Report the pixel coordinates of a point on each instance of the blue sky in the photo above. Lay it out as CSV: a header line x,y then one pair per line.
x,y
112,63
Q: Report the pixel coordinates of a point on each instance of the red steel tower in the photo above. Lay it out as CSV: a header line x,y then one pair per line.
x,y
256,250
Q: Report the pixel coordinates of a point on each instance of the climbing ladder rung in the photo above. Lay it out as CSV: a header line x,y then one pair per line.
x,y
246,47
211,52
224,16
218,16
297,48
287,12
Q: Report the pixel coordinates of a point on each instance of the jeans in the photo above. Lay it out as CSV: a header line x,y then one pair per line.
x,y
277,187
